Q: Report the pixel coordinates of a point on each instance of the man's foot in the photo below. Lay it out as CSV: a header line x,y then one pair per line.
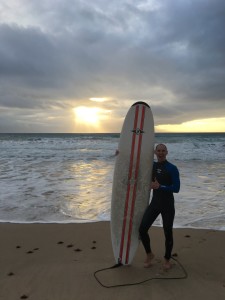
x,y
148,261
167,265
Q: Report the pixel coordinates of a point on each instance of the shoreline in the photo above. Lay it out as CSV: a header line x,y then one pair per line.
x,y
100,221
58,260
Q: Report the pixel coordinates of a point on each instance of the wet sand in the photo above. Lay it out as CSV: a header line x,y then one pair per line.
x,y
58,262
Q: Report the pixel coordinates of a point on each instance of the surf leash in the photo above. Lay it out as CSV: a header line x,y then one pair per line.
x,y
185,276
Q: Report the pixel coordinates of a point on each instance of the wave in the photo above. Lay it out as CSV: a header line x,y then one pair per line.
x,y
193,147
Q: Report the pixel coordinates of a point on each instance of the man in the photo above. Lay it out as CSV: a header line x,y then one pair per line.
x,y
166,181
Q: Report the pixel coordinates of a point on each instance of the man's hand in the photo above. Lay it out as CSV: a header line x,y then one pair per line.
x,y
155,185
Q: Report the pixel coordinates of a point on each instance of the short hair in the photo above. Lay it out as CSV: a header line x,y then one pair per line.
x,y
160,145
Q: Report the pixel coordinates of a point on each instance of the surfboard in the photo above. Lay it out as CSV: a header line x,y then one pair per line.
x,y
131,181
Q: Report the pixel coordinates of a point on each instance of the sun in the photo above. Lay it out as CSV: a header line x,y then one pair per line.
x,y
87,115
91,119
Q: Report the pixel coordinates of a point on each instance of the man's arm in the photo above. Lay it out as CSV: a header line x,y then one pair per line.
x,y
175,187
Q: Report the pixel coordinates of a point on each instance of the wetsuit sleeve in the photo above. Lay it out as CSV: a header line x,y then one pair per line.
x,y
175,186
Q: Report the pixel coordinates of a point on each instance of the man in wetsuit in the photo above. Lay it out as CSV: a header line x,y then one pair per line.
x,y
165,182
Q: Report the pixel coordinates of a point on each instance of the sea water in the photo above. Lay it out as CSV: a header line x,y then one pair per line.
x,y
68,177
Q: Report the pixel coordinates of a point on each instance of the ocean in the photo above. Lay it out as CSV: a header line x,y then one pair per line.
x,y
62,178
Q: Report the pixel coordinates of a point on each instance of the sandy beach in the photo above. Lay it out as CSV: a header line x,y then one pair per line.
x,y
58,262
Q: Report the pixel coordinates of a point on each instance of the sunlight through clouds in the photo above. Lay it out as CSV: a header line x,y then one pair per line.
x,y
104,56
90,119
203,125
99,99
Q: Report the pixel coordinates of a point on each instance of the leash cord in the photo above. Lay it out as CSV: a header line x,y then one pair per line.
x,y
185,275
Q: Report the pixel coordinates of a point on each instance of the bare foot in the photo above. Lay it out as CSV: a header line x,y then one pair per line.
x,y
148,261
167,265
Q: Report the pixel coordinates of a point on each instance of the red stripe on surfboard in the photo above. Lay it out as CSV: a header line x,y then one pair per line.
x,y
128,186
135,186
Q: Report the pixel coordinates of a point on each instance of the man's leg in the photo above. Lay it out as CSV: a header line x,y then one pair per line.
x,y
168,218
149,217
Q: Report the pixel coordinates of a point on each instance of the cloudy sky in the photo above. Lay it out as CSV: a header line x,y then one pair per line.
x,y
78,65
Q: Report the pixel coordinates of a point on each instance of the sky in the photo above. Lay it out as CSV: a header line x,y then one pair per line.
x,y
78,65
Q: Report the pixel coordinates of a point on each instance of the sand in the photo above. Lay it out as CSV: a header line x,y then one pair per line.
x,y
58,262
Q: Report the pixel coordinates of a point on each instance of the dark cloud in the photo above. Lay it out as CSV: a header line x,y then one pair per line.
x,y
169,53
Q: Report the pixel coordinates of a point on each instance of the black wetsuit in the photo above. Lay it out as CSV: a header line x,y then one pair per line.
x,y
162,203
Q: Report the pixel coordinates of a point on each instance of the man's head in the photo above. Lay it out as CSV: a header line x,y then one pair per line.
x,y
161,152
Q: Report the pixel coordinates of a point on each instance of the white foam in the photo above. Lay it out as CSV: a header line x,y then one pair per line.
x,y
70,180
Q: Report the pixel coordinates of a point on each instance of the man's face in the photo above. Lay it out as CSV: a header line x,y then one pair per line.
x,y
161,152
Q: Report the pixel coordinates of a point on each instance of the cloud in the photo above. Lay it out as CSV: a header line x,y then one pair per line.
x,y
170,54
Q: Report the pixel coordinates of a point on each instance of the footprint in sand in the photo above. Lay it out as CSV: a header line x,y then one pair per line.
x,y
78,250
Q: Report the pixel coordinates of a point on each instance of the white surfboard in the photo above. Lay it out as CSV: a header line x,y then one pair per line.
x,y
131,181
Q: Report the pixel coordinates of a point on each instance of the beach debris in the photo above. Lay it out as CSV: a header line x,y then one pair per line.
x,y
93,247
78,250
11,274
60,242
70,245
29,252
24,297
187,236
18,247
